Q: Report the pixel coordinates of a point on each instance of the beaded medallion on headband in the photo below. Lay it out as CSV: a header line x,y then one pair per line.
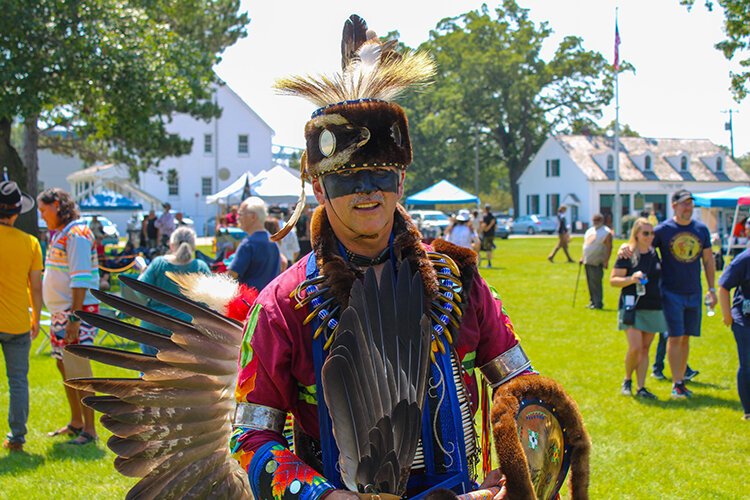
x,y
356,126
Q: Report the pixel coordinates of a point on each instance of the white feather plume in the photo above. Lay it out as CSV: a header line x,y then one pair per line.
x,y
214,290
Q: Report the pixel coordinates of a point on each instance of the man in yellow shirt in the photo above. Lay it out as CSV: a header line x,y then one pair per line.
x,y
20,289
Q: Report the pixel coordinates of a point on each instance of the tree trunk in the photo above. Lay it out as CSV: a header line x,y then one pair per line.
x,y
10,160
29,221
9,156
514,172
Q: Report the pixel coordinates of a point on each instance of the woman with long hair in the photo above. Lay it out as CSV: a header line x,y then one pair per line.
x,y
179,260
640,310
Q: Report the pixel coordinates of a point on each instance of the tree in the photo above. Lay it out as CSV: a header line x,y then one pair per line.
x,y
744,162
585,127
493,91
107,75
736,23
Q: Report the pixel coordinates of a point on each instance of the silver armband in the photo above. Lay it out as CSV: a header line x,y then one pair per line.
x,y
260,418
506,366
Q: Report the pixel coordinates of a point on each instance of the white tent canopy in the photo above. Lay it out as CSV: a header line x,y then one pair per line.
x,y
234,190
276,186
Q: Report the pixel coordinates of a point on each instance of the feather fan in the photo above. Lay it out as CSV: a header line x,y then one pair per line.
x,y
172,424
374,380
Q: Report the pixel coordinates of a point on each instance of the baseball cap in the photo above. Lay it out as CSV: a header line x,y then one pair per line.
x,y
12,200
682,195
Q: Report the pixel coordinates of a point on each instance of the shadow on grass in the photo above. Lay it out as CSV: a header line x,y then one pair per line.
x,y
693,384
15,463
65,451
696,403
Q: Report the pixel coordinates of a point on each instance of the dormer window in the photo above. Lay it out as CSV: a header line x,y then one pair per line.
x,y
683,163
647,163
610,162
719,164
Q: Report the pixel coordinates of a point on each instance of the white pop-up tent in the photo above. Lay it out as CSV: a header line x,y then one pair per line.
x,y
277,186
233,192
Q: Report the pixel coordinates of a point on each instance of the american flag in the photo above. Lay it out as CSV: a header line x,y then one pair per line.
x,y
617,47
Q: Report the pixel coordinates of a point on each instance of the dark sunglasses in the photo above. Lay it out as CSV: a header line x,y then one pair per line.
x,y
647,233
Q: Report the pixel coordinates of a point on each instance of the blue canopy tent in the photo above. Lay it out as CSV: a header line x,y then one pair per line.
x,y
726,198
443,193
108,200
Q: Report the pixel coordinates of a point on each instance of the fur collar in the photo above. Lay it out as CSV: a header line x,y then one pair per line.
x,y
340,274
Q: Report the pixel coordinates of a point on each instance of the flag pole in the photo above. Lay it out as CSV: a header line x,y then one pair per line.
x,y
617,219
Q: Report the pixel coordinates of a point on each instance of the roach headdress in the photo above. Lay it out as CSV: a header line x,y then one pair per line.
x,y
356,125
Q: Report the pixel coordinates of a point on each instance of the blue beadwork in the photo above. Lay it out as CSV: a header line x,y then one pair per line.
x,y
320,111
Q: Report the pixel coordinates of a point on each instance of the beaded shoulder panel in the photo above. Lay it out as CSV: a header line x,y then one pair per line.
x,y
445,310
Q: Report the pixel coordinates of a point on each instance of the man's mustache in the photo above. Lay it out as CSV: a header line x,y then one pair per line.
x,y
360,198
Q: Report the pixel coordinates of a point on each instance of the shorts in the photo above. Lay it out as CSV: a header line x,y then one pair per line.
x,y
488,243
683,313
646,320
86,335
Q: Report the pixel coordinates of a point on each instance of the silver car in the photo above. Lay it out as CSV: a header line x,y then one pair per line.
x,y
534,224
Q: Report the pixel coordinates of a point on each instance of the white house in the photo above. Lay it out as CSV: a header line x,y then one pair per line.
x,y
223,149
579,171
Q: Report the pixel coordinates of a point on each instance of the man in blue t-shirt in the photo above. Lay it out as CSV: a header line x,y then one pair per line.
x,y
257,260
683,243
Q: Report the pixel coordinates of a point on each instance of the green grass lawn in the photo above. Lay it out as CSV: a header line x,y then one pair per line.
x,y
661,449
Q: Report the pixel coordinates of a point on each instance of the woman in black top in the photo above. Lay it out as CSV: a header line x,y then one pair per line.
x,y
640,312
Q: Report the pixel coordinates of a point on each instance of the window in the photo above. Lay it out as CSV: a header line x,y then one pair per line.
x,y
683,163
553,203
208,144
647,163
207,186
719,164
243,144
532,204
553,168
173,182
610,162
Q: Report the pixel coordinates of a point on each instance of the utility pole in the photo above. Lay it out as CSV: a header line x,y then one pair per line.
x,y
476,164
728,126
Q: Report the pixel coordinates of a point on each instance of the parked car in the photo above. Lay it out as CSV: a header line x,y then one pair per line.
x,y
534,224
431,223
111,235
502,228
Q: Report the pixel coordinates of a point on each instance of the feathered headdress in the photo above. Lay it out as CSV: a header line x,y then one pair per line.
x,y
356,126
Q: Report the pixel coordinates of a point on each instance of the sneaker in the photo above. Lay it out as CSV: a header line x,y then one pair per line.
x,y
690,374
627,388
746,416
658,375
12,445
679,391
645,394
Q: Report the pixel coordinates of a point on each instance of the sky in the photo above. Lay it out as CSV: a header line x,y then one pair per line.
x,y
680,88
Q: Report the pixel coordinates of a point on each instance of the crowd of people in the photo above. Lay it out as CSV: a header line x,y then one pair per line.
x,y
473,230
75,263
